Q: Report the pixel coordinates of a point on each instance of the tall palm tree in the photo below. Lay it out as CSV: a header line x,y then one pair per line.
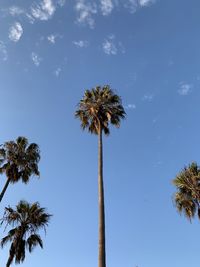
x,y
27,219
187,197
18,161
99,107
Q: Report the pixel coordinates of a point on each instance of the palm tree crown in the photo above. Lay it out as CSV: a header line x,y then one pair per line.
x,y
187,198
98,107
27,219
18,161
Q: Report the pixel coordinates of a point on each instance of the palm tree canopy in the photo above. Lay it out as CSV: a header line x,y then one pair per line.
x,y
19,159
99,107
26,220
187,197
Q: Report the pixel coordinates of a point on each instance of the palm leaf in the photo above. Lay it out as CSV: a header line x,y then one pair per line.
x,y
100,107
29,219
187,197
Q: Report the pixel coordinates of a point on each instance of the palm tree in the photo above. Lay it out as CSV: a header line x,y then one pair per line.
x,y
27,219
99,107
18,161
187,197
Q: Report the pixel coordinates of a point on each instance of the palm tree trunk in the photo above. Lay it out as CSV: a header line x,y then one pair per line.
x,y
10,259
4,189
102,250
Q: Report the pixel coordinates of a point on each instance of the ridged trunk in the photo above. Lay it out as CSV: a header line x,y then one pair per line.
x,y
102,248
4,189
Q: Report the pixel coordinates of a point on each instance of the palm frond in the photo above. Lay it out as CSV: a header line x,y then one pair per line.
x,y
29,219
19,160
33,241
187,197
100,107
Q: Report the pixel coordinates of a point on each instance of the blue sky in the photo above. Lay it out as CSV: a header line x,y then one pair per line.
x,y
148,52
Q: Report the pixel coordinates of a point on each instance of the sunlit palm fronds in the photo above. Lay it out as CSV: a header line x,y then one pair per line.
x,y
99,107
187,197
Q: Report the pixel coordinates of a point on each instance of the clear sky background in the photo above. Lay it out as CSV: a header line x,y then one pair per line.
x,y
149,53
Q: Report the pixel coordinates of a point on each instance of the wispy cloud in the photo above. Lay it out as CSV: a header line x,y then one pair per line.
x,y
133,5
15,32
16,11
81,43
106,7
146,2
148,97
109,46
121,47
185,88
43,11
52,38
3,51
155,120
36,59
61,2
57,71
130,106
85,11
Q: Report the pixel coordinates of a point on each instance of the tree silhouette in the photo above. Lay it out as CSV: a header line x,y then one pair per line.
x,y
98,108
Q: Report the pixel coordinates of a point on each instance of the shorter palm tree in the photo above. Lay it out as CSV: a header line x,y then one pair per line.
x,y
18,161
27,219
187,197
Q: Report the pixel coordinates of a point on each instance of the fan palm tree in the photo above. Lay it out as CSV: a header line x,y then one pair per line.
x,y
187,197
18,161
27,219
96,110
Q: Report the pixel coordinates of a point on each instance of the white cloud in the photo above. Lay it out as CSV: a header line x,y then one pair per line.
x,y
131,5
16,11
185,88
36,59
43,11
3,51
30,18
15,32
61,2
109,46
130,106
121,47
51,38
85,11
39,10
81,43
57,72
106,6
146,2
148,97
